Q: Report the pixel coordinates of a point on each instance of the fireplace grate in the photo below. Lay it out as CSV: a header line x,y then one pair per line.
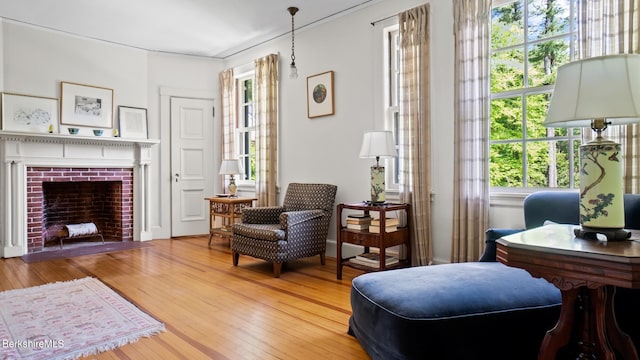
x,y
79,231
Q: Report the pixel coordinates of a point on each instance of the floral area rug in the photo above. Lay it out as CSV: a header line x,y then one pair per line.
x,y
67,320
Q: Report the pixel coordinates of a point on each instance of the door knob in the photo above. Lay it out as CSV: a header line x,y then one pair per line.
x,y
177,176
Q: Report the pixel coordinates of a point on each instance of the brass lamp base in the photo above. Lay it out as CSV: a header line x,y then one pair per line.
x,y
585,232
232,187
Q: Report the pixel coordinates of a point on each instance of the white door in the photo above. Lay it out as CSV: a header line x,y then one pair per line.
x,y
191,165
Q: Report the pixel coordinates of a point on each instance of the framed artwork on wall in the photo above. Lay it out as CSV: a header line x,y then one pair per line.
x,y
28,113
320,95
133,122
86,105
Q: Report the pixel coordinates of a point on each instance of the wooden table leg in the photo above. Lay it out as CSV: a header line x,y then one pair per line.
x,y
594,341
618,338
560,335
339,259
588,317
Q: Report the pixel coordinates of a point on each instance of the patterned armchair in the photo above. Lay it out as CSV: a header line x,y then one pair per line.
x,y
295,230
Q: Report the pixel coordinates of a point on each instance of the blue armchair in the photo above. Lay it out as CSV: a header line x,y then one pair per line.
x,y
561,207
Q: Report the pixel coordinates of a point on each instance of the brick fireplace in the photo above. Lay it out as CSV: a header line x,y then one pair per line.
x,y
112,173
60,196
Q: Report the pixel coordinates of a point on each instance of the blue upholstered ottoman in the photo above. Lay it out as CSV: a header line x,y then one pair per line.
x,y
453,311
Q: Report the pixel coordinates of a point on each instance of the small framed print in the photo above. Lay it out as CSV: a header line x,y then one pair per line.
x,y
133,122
320,95
27,113
86,105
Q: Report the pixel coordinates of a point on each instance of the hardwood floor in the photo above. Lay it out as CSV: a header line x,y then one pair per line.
x,y
211,309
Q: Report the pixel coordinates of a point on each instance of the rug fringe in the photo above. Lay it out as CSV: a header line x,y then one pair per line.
x,y
49,285
108,346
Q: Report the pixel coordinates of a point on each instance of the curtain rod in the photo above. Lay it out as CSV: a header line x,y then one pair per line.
x,y
373,23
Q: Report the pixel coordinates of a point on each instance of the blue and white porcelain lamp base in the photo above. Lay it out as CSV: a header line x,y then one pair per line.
x,y
601,191
378,195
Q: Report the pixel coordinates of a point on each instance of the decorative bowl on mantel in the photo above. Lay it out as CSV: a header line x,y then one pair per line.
x,y
73,131
97,132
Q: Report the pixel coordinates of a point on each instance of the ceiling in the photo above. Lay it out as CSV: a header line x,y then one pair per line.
x,y
212,28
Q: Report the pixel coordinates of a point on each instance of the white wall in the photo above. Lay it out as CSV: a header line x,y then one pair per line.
x,y
442,91
36,61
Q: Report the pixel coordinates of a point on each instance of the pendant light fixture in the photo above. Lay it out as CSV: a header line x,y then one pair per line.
x,y
293,71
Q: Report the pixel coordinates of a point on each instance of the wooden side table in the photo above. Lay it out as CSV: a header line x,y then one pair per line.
x,y
587,273
381,240
229,209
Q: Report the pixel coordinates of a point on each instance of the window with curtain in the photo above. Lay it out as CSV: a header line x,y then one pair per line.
x,y
530,39
250,124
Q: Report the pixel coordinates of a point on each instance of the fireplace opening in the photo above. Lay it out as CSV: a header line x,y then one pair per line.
x,y
57,197
77,202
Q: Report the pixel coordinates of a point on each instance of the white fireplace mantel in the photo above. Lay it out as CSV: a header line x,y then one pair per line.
x,y
21,150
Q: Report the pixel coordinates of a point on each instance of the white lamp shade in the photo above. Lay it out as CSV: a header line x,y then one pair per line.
x,y
604,87
230,167
378,143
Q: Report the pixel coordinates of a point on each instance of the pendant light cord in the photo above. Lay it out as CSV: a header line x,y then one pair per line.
x,y
293,11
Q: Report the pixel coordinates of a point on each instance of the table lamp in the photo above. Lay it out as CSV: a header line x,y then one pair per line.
x,y
598,92
231,167
377,144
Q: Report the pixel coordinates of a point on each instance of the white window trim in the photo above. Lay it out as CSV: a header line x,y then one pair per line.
x,y
243,185
391,185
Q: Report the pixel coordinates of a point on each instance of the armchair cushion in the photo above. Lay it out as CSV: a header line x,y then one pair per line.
x,y
562,207
269,232
293,218
310,196
262,215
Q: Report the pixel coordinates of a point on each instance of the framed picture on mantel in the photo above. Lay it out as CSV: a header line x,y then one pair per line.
x,y
86,105
27,113
133,122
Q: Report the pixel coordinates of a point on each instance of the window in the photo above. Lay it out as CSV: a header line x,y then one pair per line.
x,y
392,91
246,127
530,39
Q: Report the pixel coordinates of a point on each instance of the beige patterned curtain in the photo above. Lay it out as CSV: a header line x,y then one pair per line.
x,y
266,112
415,129
228,115
472,25
612,27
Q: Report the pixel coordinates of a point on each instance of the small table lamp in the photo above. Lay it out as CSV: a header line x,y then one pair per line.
x,y
597,92
231,167
377,144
